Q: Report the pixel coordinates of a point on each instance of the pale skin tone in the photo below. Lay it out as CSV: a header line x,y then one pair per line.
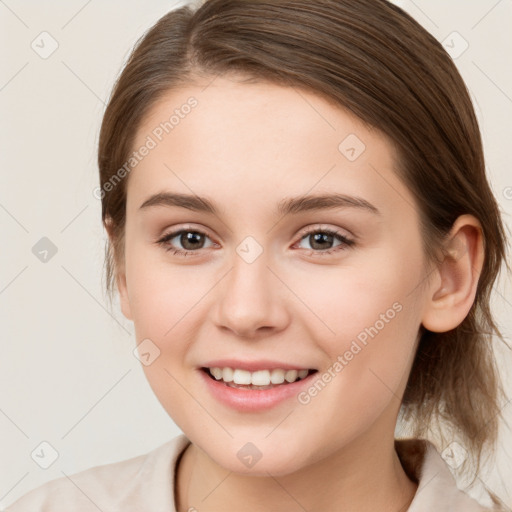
x,y
246,147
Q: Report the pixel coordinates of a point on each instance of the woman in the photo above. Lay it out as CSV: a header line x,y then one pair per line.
x,y
302,231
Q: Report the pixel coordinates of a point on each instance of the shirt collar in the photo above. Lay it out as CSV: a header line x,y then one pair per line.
x,y
437,488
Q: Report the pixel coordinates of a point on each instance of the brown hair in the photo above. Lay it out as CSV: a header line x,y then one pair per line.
x,y
374,59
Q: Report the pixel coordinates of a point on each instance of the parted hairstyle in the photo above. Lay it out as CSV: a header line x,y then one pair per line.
x,y
372,58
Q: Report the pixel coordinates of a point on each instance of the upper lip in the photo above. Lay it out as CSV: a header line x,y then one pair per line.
x,y
253,366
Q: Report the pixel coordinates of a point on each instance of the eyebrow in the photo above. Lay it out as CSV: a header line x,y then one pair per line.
x,y
292,205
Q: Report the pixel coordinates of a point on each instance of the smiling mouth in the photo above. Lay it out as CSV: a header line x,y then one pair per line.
x,y
259,380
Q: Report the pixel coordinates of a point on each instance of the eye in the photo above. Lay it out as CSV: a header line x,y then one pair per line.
x,y
190,239
321,239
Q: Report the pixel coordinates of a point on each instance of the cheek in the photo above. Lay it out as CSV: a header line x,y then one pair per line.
x,y
370,353
367,292
162,299
160,294
367,319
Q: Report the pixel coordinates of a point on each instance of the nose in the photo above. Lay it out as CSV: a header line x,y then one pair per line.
x,y
251,300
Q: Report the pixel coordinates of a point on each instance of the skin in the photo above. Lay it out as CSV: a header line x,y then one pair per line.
x,y
246,146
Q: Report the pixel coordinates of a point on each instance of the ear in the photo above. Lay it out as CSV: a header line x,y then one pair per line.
x,y
123,293
120,274
452,292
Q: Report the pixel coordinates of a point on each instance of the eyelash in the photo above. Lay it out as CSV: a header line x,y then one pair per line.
x,y
346,243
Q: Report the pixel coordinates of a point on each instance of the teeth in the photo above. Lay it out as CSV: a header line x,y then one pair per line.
x,y
291,375
277,376
216,372
241,377
258,378
226,374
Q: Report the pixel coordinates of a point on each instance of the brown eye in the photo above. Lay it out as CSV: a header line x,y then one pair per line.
x,y
321,241
189,240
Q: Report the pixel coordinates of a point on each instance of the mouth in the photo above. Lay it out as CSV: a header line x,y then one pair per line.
x,y
262,389
257,380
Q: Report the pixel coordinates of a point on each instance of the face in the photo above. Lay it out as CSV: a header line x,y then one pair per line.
x,y
252,284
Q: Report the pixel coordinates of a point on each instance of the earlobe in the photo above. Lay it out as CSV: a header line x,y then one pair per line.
x,y
453,293
123,295
120,274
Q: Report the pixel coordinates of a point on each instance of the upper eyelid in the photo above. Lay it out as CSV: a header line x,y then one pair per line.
x,y
323,227
186,229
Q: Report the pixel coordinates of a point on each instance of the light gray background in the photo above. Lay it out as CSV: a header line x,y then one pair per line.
x,y
68,375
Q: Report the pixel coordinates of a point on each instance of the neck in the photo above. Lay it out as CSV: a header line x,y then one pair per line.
x,y
365,476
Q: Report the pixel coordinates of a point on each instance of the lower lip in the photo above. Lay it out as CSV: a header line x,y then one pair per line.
x,y
252,400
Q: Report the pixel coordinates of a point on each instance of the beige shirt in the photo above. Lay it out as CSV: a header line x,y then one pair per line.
x,y
146,484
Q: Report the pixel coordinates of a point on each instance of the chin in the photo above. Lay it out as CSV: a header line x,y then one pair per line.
x,y
276,464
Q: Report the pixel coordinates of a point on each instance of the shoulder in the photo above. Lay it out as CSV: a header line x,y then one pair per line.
x,y
144,482
437,488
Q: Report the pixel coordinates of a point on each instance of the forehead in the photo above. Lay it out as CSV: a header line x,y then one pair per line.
x,y
234,140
